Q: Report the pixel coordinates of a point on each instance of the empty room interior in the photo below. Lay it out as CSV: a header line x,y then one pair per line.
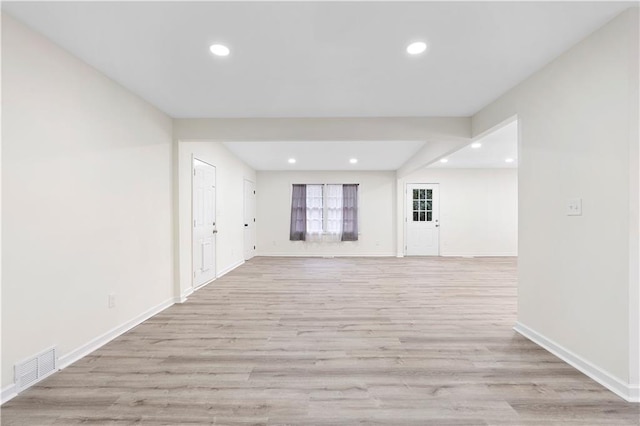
x,y
320,213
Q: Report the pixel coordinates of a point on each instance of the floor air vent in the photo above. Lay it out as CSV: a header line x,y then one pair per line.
x,y
34,369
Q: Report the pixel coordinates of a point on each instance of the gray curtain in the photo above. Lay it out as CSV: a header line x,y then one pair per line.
x,y
298,231
350,212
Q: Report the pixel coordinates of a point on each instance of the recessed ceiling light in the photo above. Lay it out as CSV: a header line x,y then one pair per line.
x,y
416,48
219,49
508,160
292,160
353,160
476,145
444,160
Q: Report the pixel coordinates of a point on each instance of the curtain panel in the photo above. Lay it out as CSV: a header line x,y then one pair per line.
x,y
350,212
298,230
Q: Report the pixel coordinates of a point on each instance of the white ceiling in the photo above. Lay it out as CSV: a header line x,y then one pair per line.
x,y
496,147
325,155
316,59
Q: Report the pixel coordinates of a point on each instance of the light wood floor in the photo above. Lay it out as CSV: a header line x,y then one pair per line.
x,y
424,341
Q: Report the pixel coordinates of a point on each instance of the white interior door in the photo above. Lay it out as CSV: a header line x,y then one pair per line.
x,y
249,219
423,220
204,222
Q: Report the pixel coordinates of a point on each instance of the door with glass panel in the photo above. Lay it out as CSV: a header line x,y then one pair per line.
x,y
422,235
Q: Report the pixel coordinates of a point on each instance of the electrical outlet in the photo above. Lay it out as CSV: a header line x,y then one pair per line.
x,y
574,207
112,301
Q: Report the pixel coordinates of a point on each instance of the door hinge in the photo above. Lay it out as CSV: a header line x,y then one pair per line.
x,y
194,274
194,223
254,219
194,172
254,192
254,247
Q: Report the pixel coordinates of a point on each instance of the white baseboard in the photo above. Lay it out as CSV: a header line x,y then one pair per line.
x,y
184,295
479,255
8,393
626,391
64,361
86,349
326,255
188,292
225,271
634,393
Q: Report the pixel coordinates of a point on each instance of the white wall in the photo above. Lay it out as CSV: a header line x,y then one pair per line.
x,y
478,210
2,385
230,176
578,275
86,193
376,216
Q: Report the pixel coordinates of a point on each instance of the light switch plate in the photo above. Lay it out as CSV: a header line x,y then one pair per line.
x,y
574,207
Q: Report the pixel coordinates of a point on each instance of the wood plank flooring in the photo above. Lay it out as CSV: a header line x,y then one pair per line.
x,y
315,341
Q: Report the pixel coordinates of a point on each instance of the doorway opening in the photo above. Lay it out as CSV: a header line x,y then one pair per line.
x,y
465,203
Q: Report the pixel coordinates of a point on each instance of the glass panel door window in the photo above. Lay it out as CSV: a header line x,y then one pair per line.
x,y
422,205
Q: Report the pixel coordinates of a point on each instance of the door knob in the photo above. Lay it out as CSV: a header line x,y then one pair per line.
x,y
215,231
246,224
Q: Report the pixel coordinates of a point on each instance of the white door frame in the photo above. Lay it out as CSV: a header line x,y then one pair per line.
x,y
195,286
406,213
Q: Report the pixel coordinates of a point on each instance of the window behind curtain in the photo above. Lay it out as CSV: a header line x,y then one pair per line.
x,y
334,211
314,211
324,213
